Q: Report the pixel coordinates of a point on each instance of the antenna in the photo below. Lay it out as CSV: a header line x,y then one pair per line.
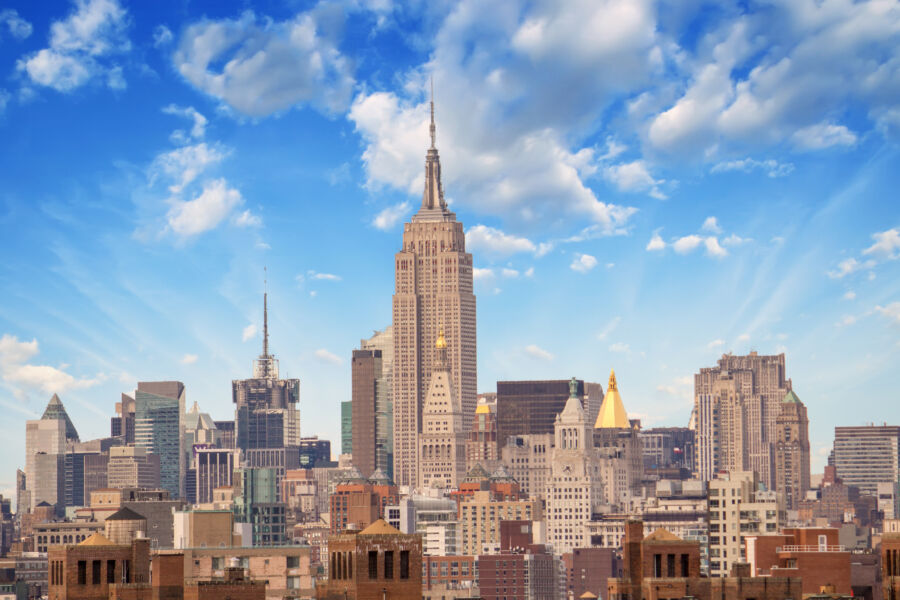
x,y
432,112
265,311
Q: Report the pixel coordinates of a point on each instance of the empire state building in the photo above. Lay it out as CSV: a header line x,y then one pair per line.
x,y
432,291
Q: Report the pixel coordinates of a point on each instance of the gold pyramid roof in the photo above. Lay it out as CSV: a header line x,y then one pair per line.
x,y
662,535
96,539
483,409
380,527
612,412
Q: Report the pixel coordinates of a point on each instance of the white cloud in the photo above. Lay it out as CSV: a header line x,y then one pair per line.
x,y
850,295
848,266
323,276
390,216
891,312
656,243
609,328
744,337
259,66
823,135
688,243
18,27
583,263
198,130
772,167
247,219
537,352
713,248
510,144
21,376
735,240
80,47
183,165
162,36
846,320
716,344
711,224
204,212
249,332
529,272
509,273
620,348
188,359
634,177
325,356
482,238
482,275
887,244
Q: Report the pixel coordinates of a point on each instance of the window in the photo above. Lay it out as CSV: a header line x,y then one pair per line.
x,y
404,564
110,571
657,565
293,562
389,564
670,565
82,572
95,573
126,568
218,563
684,565
373,564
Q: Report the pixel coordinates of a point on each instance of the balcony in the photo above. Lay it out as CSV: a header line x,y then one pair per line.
x,y
820,548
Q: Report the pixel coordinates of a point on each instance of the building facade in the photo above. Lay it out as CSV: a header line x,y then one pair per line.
x,y
866,456
433,290
530,407
159,428
792,451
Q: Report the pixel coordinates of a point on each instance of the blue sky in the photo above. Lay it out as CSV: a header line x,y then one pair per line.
x,y
644,185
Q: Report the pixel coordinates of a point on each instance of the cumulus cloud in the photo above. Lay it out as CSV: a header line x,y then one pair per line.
x,y
247,219
22,376
482,275
711,224
258,66
848,266
205,211
183,165
891,312
634,177
823,135
82,47
324,356
583,263
248,333
510,143
886,246
388,217
509,273
536,351
752,84
656,243
198,130
490,240
770,166
188,359
687,243
716,344
17,27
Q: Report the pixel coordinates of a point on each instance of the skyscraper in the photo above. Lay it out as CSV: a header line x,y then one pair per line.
x,y
45,449
383,341
159,428
792,451
266,413
433,289
867,455
736,404
365,369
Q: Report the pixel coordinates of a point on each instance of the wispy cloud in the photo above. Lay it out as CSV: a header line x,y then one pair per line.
x,y
536,351
388,217
248,333
324,356
189,359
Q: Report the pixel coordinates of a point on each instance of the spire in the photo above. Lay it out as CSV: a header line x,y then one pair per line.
x,y
265,352
611,386
56,411
433,205
431,128
441,347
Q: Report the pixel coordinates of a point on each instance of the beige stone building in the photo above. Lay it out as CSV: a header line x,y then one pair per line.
x,y
527,458
442,443
619,445
792,451
575,486
433,290
736,405
480,518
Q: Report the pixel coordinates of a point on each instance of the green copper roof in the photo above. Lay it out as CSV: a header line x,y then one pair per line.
x,y
56,410
792,397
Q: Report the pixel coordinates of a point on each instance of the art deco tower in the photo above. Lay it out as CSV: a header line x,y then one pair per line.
x,y
433,289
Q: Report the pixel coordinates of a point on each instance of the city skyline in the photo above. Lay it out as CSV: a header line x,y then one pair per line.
x,y
630,226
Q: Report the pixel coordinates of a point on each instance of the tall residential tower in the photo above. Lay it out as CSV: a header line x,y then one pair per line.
x,y
433,290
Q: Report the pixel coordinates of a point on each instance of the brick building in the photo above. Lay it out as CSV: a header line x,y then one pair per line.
x,y
813,554
449,571
377,562
88,569
890,566
525,574
663,566
588,570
